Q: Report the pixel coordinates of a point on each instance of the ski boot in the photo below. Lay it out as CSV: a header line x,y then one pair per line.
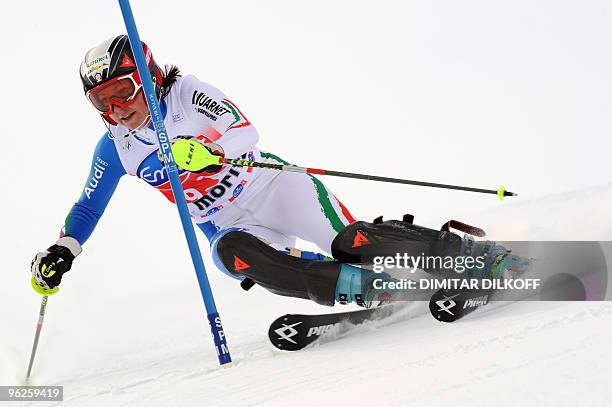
x,y
368,289
499,262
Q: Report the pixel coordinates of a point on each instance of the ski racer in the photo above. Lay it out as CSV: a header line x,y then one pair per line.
x,y
251,216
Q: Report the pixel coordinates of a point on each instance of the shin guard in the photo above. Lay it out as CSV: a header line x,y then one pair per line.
x,y
244,254
361,241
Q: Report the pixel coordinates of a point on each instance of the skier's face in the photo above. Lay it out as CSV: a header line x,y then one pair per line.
x,y
133,115
121,101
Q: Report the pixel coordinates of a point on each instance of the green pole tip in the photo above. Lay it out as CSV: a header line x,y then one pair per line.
x,y
501,192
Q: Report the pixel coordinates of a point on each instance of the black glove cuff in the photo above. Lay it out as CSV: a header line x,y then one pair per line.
x,y
62,252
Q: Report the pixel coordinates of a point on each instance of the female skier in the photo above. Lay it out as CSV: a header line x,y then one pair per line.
x,y
250,216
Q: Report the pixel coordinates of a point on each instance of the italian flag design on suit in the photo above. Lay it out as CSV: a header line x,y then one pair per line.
x,y
335,212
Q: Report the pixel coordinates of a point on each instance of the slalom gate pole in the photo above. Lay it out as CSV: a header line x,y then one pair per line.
x,y
177,189
500,192
41,318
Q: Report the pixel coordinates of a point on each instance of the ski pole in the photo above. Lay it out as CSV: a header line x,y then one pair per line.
x,y
41,317
500,192
163,140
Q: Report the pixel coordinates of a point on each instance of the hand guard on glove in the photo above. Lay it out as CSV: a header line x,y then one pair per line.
x,y
49,266
193,156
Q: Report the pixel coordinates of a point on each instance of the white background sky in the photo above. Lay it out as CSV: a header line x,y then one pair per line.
x,y
479,93
473,92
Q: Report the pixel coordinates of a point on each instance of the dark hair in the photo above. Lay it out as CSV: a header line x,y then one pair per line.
x,y
169,74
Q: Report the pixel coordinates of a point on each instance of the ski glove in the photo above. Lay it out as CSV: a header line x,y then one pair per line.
x,y
194,156
49,266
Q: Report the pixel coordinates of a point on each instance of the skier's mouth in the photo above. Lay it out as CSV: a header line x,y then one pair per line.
x,y
128,117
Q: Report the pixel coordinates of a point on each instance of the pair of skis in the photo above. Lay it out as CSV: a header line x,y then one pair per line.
x,y
293,332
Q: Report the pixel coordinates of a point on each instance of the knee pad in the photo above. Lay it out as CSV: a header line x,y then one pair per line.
x,y
245,255
361,241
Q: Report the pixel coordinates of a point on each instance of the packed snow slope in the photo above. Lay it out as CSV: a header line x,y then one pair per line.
x,y
128,328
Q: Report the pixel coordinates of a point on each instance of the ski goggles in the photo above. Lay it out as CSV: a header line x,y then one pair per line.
x,y
120,91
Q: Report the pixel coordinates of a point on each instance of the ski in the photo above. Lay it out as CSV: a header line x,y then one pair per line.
x,y
293,332
451,305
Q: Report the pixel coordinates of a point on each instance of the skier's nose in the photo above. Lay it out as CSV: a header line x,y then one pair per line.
x,y
121,111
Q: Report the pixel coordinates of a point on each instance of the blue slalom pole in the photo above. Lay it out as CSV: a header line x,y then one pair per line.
x,y
177,189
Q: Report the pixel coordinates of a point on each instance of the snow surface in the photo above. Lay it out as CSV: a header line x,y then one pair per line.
x,y
130,346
